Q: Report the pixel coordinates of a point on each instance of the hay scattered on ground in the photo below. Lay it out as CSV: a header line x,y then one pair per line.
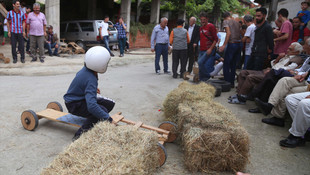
x,y
211,136
107,149
186,93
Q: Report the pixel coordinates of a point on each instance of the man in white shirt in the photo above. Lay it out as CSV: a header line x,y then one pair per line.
x,y
5,30
104,34
248,38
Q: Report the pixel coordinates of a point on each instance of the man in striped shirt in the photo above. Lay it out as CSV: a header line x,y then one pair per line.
x,y
16,30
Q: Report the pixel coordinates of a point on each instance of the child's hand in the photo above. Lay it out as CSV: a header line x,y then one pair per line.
x,y
98,91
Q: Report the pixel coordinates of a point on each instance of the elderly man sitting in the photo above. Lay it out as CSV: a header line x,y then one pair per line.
x,y
285,86
289,61
298,106
248,79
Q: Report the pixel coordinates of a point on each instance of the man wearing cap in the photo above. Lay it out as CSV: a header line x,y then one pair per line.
x,y
51,41
179,39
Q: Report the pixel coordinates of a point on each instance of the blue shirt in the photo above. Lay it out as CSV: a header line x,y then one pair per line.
x,y
84,87
120,30
304,15
159,35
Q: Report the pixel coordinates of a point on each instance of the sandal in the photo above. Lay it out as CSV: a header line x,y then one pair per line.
x,y
232,96
236,101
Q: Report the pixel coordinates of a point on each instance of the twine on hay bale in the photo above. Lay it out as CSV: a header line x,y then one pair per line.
x,y
107,149
186,93
211,136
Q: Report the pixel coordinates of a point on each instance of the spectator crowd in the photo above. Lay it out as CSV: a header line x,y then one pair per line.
x,y
276,62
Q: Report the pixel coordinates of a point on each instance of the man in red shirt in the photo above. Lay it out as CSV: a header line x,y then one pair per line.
x,y
208,40
296,26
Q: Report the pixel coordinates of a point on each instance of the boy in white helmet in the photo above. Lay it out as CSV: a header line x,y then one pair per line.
x,y
81,97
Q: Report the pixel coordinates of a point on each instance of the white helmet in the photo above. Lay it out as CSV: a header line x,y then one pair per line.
x,y
97,59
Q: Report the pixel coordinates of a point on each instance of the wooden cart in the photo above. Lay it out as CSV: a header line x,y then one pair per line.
x,y
54,112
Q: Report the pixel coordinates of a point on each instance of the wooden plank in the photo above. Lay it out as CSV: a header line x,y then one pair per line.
x,y
161,131
117,118
138,124
50,114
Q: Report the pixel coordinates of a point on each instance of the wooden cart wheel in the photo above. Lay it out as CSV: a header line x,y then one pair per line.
x,y
185,74
172,128
162,154
29,120
55,105
196,79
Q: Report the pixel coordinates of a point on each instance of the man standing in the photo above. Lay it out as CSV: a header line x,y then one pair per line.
x,y
296,31
248,38
179,39
263,41
16,30
285,35
160,44
51,41
36,30
121,30
208,40
233,50
104,34
192,47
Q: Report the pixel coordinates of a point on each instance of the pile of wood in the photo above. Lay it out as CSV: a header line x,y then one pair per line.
x,y
4,59
71,48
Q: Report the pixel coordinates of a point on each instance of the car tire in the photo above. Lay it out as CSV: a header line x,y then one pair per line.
x,y
226,86
218,89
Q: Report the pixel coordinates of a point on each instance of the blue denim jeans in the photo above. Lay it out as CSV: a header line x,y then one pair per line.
x,y
121,44
206,64
161,49
105,41
246,59
232,56
49,48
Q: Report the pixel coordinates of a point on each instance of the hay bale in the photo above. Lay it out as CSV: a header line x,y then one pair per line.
x,y
107,149
189,93
215,150
205,115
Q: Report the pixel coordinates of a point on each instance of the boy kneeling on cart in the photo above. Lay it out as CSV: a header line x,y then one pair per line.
x,y
81,98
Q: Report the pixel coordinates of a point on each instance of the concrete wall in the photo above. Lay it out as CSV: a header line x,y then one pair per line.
x,y
293,6
52,13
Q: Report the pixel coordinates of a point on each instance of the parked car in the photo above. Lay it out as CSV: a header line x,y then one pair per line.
x,y
86,32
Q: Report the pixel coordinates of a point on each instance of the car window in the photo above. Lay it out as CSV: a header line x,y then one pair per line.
x,y
73,27
63,27
111,28
87,26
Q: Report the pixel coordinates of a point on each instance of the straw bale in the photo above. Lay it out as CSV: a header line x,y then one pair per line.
x,y
215,150
205,115
107,149
186,93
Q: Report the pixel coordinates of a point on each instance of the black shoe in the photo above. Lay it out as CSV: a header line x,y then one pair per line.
x,y
292,141
50,55
56,54
14,61
34,59
41,60
23,61
75,138
175,76
264,107
254,110
167,72
274,121
112,55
